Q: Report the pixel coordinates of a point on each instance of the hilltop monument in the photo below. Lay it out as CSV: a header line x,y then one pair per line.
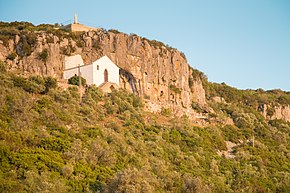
x,y
76,19
77,27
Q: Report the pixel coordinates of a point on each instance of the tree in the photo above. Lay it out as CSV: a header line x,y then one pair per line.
x,y
50,83
75,80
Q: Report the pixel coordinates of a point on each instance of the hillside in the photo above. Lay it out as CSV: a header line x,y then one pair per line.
x,y
53,142
50,142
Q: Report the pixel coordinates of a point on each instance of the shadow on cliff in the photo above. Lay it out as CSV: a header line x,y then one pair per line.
x,y
127,79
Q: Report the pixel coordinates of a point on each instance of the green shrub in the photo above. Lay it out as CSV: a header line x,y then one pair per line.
x,y
49,39
35,84
95,93
43,55
232,133
197,107
75,80
42,104
68,50
26,44
27,50
30,86
49,83
270,111
36,79
12,56
122,101
54,144
196,74
175,89
5,40
114,31
190,82
166,111
3,66
31,38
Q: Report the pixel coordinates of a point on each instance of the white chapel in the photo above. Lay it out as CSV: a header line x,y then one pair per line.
x,y
102,73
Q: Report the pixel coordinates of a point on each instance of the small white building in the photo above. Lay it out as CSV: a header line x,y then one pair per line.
x,y
99,72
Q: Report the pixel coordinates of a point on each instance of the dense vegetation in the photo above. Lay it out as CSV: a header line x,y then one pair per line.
x,y
28,34
248,97
50,142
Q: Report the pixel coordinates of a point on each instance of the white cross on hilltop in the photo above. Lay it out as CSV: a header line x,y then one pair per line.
x,y
75,19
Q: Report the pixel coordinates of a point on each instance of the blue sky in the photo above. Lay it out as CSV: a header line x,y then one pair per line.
x,y
244,43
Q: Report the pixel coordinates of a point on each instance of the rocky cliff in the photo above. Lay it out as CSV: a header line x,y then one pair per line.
x,y
157,72
275,111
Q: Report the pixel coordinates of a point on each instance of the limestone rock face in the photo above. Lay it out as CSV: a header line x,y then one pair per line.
x,y
149,68
275,112
218,99
32,64
281,112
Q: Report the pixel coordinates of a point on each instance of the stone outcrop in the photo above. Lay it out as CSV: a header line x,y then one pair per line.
x,y
218,99
149,68
281,112
275,112
32,64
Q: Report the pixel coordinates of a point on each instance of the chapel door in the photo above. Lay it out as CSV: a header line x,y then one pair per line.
x,y
106,75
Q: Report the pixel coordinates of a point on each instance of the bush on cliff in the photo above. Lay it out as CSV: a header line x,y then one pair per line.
x,y
75,80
